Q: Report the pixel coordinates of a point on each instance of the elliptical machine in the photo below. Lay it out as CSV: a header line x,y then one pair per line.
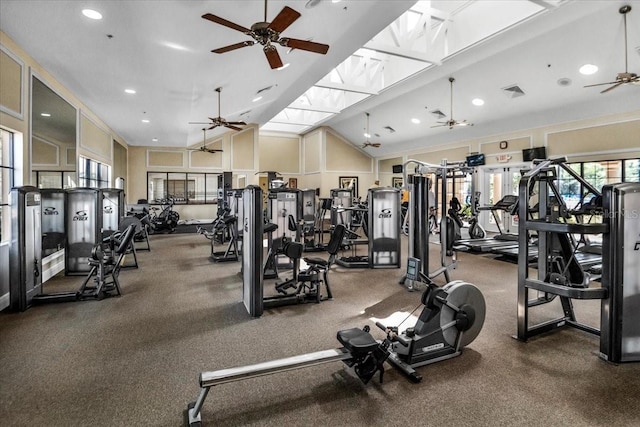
x,y
166,220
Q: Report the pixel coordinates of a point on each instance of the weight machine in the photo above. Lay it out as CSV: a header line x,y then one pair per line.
x,y
418,212
560,274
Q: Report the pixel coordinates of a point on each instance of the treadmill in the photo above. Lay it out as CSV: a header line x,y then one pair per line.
x,y
509,204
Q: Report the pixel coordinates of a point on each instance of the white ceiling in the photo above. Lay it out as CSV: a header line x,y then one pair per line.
x,y
177,86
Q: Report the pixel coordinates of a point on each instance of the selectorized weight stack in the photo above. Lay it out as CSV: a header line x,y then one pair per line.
x,y
25,249
112,209
252,280
620,314
84,228
384,228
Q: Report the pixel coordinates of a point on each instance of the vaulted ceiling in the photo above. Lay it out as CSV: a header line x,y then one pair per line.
x,y
162,50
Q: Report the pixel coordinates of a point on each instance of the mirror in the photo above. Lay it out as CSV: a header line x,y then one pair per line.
x,y
53,138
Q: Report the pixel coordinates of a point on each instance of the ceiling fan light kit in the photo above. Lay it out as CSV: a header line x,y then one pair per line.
x,y
219,121
451,123
368,143
624,77
268,35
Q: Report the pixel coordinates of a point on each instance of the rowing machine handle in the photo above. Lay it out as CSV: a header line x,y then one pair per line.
x,y
395,336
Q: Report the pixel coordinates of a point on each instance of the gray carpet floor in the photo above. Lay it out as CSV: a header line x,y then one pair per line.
x,y
135,360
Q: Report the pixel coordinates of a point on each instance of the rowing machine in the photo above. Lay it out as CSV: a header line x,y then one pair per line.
x,y
360,351
451,319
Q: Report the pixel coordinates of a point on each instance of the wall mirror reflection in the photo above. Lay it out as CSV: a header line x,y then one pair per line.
x,y
53,138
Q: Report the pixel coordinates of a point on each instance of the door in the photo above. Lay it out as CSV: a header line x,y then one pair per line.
x,y
497,182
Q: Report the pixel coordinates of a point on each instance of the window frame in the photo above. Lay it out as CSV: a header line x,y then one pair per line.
x,y
209,195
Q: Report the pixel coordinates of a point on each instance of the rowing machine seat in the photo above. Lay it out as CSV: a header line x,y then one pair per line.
x,y
357,341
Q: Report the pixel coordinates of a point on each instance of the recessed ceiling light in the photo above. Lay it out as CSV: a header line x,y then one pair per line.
x,y
154,139
175,46
91,14
45,114
283,66
145,120
588,69
131,91
256,99
336,1
564,81
477,102
416,121
367,135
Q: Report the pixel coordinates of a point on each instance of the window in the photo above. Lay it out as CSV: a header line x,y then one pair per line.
x,y
6,181
93,174
632,170
600,173
54,179
570,189
182,187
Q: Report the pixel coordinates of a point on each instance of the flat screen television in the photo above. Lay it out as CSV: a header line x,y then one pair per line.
x,y
528,154
475,160
396,168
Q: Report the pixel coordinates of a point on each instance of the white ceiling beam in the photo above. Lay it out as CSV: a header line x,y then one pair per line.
x,y
345,87
280,122
544,3
314,108
402,53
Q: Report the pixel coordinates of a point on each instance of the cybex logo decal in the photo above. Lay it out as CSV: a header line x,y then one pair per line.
x,y
637,246
246,225
308,203
81,216
108,209
386,213
50,210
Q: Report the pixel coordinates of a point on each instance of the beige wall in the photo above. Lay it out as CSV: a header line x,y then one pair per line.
x,y
18,124
279,153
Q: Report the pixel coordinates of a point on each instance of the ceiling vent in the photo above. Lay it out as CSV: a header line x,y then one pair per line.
x,y
245,113
265,89
438,114
390,129
513,91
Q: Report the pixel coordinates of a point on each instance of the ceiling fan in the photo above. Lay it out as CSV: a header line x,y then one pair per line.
x,y
367,135
204,148
219,121
268,34
452,122
626,77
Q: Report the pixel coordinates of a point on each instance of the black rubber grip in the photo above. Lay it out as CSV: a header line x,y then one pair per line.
x,y
381,326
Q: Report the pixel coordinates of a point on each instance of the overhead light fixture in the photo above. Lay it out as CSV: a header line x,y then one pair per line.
x,y
478,102
154,139
175,46
91,14
367,135
283,66
588,69
130,91
145,120
336,1
416,121
45,114
257,98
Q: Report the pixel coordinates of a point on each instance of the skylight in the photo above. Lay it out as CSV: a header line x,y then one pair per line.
x,y
423,37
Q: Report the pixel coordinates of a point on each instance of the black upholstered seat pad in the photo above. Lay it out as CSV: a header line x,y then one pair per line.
x,y
357,341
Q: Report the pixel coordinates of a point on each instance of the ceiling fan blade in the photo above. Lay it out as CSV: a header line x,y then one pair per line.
x,y
199,123
305,45
611,88
230,126
213,127
229,24
212,150
237,123
273,57
440,126
233,46
286,17
602,84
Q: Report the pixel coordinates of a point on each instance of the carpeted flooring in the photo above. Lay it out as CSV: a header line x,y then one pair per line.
x,y
135,360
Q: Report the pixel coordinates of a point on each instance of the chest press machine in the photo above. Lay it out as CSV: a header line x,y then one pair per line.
x,y
451,318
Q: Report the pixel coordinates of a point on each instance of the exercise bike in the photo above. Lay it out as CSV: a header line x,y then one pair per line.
x,y
166,220
452,318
